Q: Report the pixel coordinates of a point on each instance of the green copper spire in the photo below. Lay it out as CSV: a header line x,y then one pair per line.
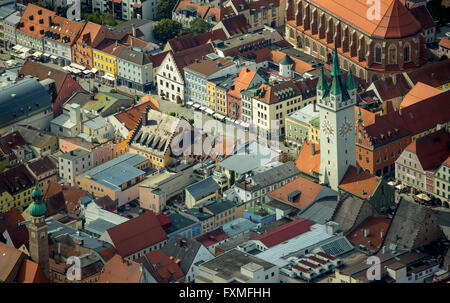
x,y
335,71
37,207
350,84
322,83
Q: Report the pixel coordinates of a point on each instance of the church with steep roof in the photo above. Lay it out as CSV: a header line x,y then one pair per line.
x,y
373,44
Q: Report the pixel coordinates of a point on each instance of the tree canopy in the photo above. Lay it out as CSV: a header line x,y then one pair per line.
x,y
165,8
166,29
439,13
200,26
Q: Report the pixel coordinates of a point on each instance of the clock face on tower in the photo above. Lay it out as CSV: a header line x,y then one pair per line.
x,y
345,128
327,128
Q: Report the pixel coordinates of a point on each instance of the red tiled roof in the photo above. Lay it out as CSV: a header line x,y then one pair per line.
x,y
445,43
130,117
315,259
309,191
137,234
327,256
284,232
435,74
42,166
118,270
236,25
413,119
300,66
186,57
395,20
108,253
299,268
242,82
167,269
11,141
9,259
306,161
9,223
35,21
422,15
164,221
212,237
375,226
362,184
419,92
309,264
42,72
16,180
189,41
30,272
432,150
158,58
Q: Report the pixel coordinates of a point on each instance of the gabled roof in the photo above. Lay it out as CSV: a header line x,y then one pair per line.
x,y
43,72
30,22
118,270
136,234
307,162
131,116
30,272
242,81
359,183
212,237
11,141
18,234
422,15
158,58
395,20
161,266
64,30
16,179
348,211
406,222
24,97
92,34
208,67
188,56
376,227
184,250
299,193
236,25
419,92
203,188
435,74
42,166
445,43
284,232
188,41
10,259
431,150
388,90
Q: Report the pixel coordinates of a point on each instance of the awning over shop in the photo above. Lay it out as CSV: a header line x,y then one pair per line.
x,y
109,77
219,116
17,48
195,105
25,50
37,54
77,66
87,71
94,70
53,57
190,103
245,124
209,111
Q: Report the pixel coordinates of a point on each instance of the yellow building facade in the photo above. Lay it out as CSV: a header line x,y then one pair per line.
x,y
105,62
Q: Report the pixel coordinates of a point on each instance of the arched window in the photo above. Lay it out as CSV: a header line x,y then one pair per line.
x,y
392,54
378,54
407,53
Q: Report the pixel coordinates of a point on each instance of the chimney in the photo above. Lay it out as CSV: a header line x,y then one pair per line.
x,y
314,106
313,149
383,250
366,232
369,243
381,234
59,248
50,21
400,111
133,30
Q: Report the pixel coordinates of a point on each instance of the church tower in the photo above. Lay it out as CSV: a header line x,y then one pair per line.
x,y
38,232
337,133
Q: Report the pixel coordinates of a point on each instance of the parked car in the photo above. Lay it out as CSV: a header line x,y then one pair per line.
x,y
127,207
133,204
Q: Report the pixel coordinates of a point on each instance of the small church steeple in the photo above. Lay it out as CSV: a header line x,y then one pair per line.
x,y
38,232
338,89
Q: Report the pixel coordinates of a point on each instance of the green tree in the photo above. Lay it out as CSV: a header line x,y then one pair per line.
x,y
165,8
166,29
200,26
191,121
232,177
439,13
184,31
173,114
